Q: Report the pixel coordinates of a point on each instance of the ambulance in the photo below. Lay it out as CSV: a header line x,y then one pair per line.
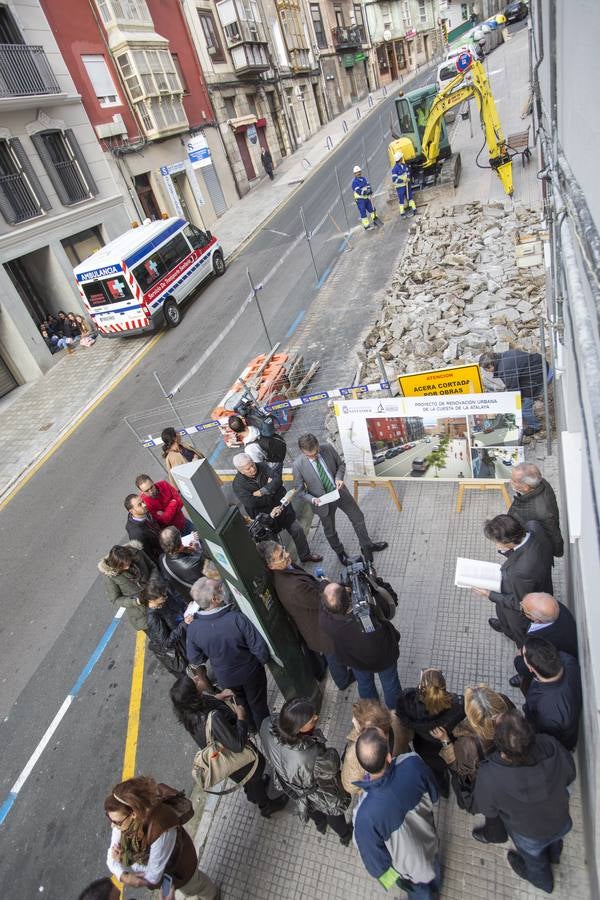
x,y
137,282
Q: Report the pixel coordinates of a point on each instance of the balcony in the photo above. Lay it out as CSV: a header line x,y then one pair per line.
x,y
244,32
25,72
300,60
348,38
249,59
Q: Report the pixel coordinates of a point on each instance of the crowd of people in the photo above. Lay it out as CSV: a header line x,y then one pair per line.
x,y
68,329
406,746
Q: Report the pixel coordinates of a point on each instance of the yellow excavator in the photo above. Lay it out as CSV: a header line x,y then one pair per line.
x,y
423,137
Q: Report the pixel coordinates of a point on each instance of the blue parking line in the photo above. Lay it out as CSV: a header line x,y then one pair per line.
x,y
295,323
214,456
94,657
327,271
47,736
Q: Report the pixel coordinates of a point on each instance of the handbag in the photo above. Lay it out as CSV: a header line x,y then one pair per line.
x,y
464,785
215,763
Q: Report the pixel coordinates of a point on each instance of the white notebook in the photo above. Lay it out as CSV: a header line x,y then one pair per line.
x,y
472,573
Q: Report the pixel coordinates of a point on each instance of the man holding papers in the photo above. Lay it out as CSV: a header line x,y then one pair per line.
x,y
527,568
319,479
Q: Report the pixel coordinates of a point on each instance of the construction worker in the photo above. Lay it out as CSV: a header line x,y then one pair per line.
x,y
401,181
421,112
362,195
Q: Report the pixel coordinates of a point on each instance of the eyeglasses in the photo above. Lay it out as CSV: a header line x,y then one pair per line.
x,y
121,823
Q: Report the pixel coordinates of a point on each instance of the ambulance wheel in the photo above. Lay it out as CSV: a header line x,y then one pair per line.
x,y
172,314
218,264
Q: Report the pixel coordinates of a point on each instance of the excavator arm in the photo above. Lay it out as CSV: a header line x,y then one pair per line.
x,y
454,94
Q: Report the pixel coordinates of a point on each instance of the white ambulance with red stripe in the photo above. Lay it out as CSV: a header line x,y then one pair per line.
x,y
138,281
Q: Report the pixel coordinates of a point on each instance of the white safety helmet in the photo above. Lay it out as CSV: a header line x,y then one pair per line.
x,y
398,155
356,170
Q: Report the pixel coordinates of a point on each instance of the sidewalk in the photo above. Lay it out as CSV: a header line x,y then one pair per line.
x,y
38,414
440,625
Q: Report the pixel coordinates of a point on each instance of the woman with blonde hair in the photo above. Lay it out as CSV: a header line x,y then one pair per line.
x,y
371,714
147,841
467,745
428,706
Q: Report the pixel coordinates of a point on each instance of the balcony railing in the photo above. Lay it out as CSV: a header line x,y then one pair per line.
x,y
348,38
23,205
25,72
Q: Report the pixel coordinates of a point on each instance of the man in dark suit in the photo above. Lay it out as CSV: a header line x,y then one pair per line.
x,y
535,499
527,568
551,621
300,594
320,470
553,704
140,526
259,488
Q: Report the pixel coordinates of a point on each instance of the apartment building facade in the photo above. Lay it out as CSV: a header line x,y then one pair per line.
x,y
58,199
405,34
262,73
344,47
134,64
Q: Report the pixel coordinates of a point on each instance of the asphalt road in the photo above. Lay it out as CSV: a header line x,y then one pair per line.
x,y
499,437
401,466
63,521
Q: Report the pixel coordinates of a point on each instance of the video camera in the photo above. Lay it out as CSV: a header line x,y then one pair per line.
x,y
372,598
248,409
354,576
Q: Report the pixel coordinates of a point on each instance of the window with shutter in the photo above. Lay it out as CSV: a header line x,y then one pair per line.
x,y
21,194
101,79
67,169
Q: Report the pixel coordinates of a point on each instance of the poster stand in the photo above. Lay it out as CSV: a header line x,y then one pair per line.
x,y
369,482
481,486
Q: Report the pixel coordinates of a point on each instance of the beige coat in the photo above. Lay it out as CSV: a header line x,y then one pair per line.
x,y
352,769
175,458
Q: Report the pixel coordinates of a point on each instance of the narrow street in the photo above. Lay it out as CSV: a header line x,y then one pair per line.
x,y
55,611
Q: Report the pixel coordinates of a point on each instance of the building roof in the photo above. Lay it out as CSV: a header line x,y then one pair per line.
x,y
127,244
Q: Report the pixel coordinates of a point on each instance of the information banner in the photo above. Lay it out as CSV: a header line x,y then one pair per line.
x,y
446,438
458,380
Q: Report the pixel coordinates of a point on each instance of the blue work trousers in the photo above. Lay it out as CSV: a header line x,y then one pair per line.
x,y
365,209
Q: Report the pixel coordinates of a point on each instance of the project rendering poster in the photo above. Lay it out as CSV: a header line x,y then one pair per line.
x,y
447,438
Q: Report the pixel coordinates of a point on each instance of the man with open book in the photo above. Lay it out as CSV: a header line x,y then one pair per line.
x,y
527,568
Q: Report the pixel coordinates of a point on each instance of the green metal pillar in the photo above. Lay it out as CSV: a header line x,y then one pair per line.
x,y
229,544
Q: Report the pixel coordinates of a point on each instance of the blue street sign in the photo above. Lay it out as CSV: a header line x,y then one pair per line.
x,y
463,62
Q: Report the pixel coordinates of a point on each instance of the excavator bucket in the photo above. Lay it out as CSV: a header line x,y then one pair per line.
x,y
505,175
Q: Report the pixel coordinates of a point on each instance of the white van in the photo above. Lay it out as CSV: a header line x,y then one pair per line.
x,y
138,281
447,71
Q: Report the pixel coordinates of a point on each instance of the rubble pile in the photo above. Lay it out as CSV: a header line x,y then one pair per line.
x,y
458,291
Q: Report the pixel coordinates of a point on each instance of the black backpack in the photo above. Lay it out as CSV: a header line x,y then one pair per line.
x,y
273,446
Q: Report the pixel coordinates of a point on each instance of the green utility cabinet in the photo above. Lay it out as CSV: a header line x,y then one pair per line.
x,y
228,542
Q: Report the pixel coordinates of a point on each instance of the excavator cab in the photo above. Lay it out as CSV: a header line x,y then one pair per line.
x,y
423,137
412,110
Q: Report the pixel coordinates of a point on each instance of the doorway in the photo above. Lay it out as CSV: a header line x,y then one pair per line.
x,y
240,137
28,287
179,183
143,189
276,123
319,104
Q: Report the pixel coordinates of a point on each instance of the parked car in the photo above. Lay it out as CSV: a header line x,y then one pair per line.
x,y
516,11
390,453
419,467
427,440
